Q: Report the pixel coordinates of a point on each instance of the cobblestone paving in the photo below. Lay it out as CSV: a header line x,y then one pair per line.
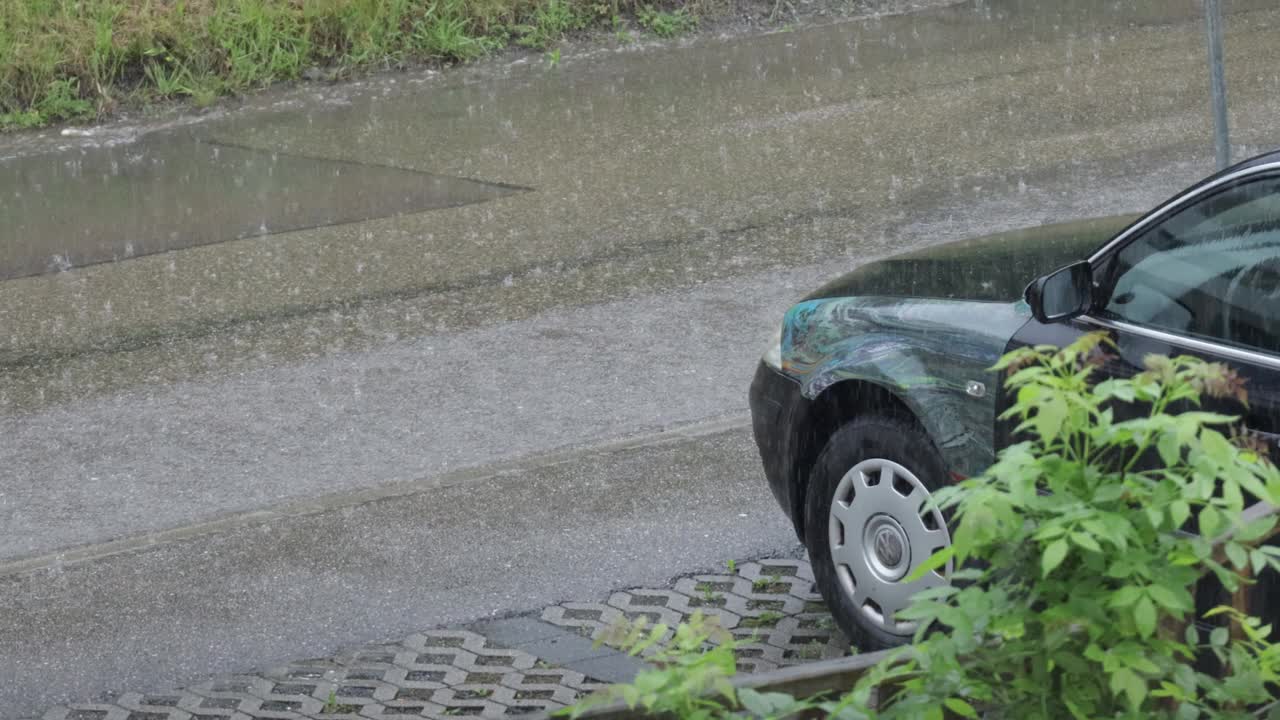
x,y
770,605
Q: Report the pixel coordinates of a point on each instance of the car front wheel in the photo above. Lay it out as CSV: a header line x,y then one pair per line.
x,y
869,524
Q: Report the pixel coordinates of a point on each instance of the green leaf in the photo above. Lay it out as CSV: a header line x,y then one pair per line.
x,y
935,593
755,703
1010,627
1256,487
1134,688
1238,556
1215,445
1108,493
933,562
1086,541
1200,418
1155,515
1125,596
1170,449
1028,394
1231,494
1053,556
1122,390
1099,528
1257,560
1179,511
960,707
1076,712
1048,532
1219,637
1049,417
1144,616
726,690
1210,521
1167,598
1143,664
1191,635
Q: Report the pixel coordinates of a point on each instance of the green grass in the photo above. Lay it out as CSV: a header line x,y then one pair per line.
x,y
666,24
64,60
767,619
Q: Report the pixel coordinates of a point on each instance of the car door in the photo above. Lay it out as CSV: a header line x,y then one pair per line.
x,y
1199,277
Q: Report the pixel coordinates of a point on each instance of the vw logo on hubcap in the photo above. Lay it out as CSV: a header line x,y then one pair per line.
x,y
889,547
885,548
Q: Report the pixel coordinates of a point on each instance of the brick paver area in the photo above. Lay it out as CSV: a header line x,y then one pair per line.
x,y
519,665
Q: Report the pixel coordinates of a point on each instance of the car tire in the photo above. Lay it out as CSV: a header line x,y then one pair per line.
x,y
864,529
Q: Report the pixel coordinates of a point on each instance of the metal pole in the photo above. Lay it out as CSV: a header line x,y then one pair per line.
x,y
1217,82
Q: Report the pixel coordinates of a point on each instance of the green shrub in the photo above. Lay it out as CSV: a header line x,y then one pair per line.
x,y
1074,597
1083,608
689,673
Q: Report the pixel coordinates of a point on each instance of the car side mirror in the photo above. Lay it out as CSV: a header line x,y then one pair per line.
x,y
1063,294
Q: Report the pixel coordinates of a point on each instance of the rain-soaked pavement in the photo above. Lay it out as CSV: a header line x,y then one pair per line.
x,y
172,193
343,364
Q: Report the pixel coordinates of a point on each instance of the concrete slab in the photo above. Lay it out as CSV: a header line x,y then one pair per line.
x,y
561,647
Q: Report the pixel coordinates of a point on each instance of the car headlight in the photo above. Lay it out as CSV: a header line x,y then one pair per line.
x,y
773,355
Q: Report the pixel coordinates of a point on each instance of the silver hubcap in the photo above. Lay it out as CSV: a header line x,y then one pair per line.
x,y
880,529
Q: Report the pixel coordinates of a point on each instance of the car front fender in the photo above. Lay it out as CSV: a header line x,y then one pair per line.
x,y
933,355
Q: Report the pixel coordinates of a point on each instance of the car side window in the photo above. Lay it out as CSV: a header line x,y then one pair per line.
x,y
1212,270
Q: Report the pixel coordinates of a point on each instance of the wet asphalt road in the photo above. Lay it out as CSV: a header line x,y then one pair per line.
x,y
290,439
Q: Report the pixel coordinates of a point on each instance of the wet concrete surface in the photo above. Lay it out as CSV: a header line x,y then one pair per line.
x,y
116,203
160,455
307,583
628,155
152,458
680,200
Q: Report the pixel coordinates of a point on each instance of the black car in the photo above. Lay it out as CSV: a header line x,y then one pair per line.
x,y
884,371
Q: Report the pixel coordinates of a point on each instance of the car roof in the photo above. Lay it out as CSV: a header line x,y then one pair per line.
x,y
1266,158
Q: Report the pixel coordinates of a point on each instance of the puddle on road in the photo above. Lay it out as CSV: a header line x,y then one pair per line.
x,y
169,193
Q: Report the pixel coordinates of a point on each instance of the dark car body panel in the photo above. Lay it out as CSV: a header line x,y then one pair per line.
x,y
995,268
925,350
775,399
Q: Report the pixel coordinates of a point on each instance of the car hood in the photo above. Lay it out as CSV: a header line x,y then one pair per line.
x,y
992,268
